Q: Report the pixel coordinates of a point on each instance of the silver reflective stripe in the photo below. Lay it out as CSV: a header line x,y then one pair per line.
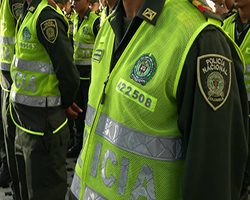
x,y
7,40
51,101
90,114
153,147
5,66
76,186
35,66
84,45
83,62
89,194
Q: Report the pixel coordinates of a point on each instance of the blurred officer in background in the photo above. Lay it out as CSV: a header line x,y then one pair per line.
x,y
9,13
238,27
45,82
86,26
155,67
94,5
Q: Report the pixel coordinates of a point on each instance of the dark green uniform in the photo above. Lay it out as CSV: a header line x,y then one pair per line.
x,y
43,157
10,11
214,129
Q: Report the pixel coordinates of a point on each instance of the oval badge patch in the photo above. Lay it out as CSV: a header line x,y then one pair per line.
x,y
214,79
144,69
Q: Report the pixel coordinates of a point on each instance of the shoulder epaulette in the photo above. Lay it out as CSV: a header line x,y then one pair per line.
x,y
205,9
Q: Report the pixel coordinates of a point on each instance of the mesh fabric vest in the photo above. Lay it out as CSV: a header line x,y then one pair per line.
x,y
84,39
132,147
229,27
7,36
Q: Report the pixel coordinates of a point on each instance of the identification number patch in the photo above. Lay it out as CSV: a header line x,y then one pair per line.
x,y
137,95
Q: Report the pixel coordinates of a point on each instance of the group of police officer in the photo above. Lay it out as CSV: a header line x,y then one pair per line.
x,y
161,87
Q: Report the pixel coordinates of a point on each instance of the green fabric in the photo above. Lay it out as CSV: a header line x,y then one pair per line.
x,y
84,39
29,49
149,109
229,27
7,30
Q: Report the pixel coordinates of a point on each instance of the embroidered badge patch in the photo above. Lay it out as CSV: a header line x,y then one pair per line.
x,y
144,69
50,30
26,34
214,79
17,10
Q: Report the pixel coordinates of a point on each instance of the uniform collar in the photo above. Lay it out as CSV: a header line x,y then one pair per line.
x,y
150,10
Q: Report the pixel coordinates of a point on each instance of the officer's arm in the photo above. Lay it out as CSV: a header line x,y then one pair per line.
x,y
52,33
212,107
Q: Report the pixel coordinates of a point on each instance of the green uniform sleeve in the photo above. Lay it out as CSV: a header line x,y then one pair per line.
x,y
60,51
215,140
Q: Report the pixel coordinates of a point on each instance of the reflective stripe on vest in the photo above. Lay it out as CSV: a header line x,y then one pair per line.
x,y
34,66
153,147
86,50
90,113
89,194
7,40
76,186
35,101
5,66
84,45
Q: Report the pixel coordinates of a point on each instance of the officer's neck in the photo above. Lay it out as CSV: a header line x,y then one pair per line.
x,y
131,7
244,14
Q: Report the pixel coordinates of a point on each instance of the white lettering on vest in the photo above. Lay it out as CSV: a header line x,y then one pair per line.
x,y
24,83
144,186
109,155
215,64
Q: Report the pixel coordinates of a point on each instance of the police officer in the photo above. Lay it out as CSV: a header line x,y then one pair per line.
x,y
45,82
86,26
167,109
9,13
238,27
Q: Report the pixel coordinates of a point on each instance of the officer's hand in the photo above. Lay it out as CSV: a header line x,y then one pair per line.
x,y
73,111
76,108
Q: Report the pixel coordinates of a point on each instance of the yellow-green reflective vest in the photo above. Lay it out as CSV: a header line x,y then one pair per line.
x,y
229,27
34,80
132,146
7,35
84,39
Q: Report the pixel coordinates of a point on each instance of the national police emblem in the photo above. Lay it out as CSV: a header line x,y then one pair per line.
x,y
26,34
17,10
214,79
50,30
85,29
144,69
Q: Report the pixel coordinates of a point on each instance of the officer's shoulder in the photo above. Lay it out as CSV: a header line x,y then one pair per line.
x,y
205,9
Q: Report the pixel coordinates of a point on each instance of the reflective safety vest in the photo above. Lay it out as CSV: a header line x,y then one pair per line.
x,y
34,80
229,27
132,147
7,35
84,39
